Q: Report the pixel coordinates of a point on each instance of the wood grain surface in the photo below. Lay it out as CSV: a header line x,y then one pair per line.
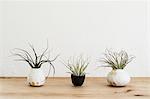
x,y
61,88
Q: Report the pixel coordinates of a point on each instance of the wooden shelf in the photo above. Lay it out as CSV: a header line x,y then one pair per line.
x,y
61,88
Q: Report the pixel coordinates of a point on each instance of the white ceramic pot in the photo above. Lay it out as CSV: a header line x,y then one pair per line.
x,y
118,77
36,77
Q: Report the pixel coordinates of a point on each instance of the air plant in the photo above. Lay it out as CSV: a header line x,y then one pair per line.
x,y
116,60
33,59
77,65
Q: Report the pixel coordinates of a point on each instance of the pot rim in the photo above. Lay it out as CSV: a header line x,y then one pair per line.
x,y
117,69
77,76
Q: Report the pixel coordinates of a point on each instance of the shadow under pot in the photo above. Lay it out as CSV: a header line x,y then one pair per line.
x,y
77,80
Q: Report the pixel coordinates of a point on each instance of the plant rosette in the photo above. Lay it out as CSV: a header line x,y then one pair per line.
x,y
36,77
118,77
117,61
77,67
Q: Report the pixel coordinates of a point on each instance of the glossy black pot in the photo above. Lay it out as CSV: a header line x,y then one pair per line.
x,y
77,80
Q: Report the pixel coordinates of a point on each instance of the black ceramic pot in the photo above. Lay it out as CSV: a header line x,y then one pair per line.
x,y
77,80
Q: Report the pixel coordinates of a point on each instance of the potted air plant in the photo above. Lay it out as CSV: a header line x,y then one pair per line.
x,y
117,61
77,67
36,76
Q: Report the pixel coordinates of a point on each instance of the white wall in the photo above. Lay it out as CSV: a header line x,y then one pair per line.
x,y
74,27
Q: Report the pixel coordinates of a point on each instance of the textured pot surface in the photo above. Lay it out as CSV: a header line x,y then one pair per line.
x,y
118,77
36,77
77,80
